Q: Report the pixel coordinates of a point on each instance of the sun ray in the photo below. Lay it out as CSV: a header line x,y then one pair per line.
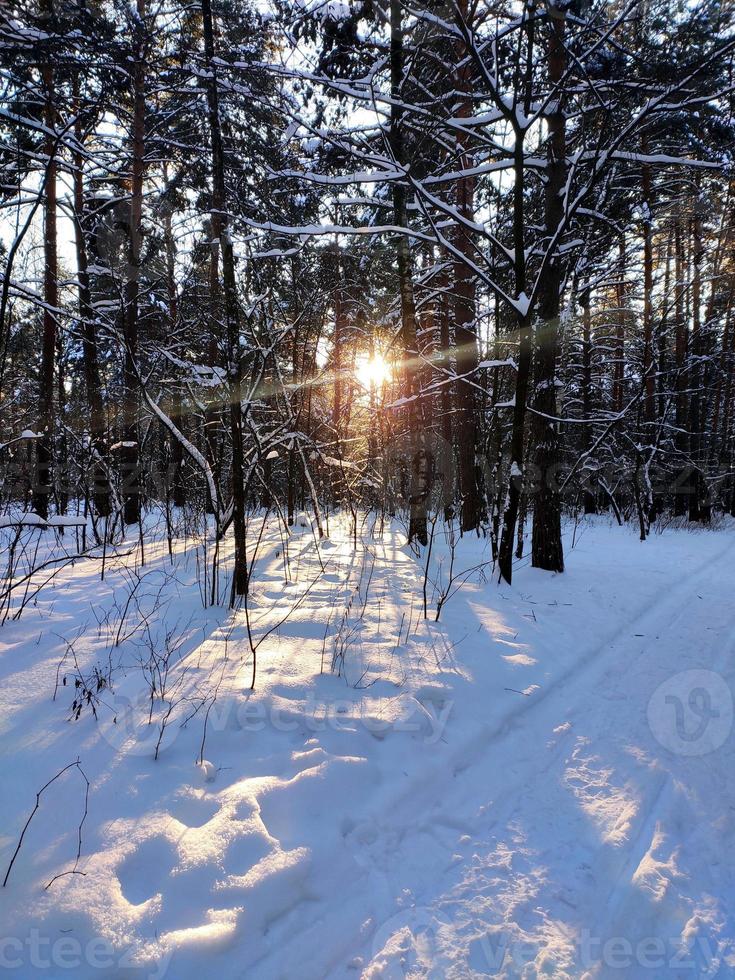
x,y
372,371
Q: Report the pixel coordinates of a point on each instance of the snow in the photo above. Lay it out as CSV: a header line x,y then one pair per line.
x,y
25,434
66,520
537,785
335,10
495,363
29,519
522,304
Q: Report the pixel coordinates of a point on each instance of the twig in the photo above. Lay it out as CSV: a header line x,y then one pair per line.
x,y
53,779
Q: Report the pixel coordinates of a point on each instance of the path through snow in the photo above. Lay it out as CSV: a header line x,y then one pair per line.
x,y
539,785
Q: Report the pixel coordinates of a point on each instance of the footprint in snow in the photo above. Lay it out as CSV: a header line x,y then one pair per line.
x,y
193,809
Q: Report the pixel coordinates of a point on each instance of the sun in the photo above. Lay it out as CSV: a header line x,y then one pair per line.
x,y
372,372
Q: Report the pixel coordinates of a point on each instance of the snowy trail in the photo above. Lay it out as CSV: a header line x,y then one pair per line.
x,y
516,903
418,815
406,842
601,753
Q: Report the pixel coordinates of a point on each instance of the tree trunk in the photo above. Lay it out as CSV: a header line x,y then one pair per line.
x,y
294,407
418,477
90,347
43,483
213,416
662,331
523,373
515,480
590,495
698,508
234,368
648,360
445,401
177,450
130,450
621,302
681,440
464,313
546,545
340,331
62,460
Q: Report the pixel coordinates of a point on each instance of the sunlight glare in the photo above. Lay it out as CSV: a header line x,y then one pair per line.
x,y
372,372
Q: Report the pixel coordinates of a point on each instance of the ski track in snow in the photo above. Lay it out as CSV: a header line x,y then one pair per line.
x,y
437,823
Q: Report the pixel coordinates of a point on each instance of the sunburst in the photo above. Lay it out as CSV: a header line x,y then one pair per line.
x,y
372,372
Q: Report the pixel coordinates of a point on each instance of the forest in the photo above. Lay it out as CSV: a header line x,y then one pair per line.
x,y
326,321
466,258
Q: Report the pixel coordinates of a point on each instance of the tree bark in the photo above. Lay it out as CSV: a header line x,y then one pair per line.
x,y
445,400
43,483
418,476
177,450
546,544
648,359
130,450
698,508
90,347
621,301
234,368
525,347
465,311
681,440
590,495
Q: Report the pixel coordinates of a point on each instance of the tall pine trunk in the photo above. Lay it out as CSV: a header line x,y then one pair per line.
x,y
129,449
90,346
525,345
681,440
418,477
43,483
234,367
177,450
445,400
465,312
546,546
590,494
621,302
648,358
698,509
213,414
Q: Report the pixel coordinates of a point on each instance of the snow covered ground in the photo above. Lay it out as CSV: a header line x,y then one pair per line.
x,y
538,785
